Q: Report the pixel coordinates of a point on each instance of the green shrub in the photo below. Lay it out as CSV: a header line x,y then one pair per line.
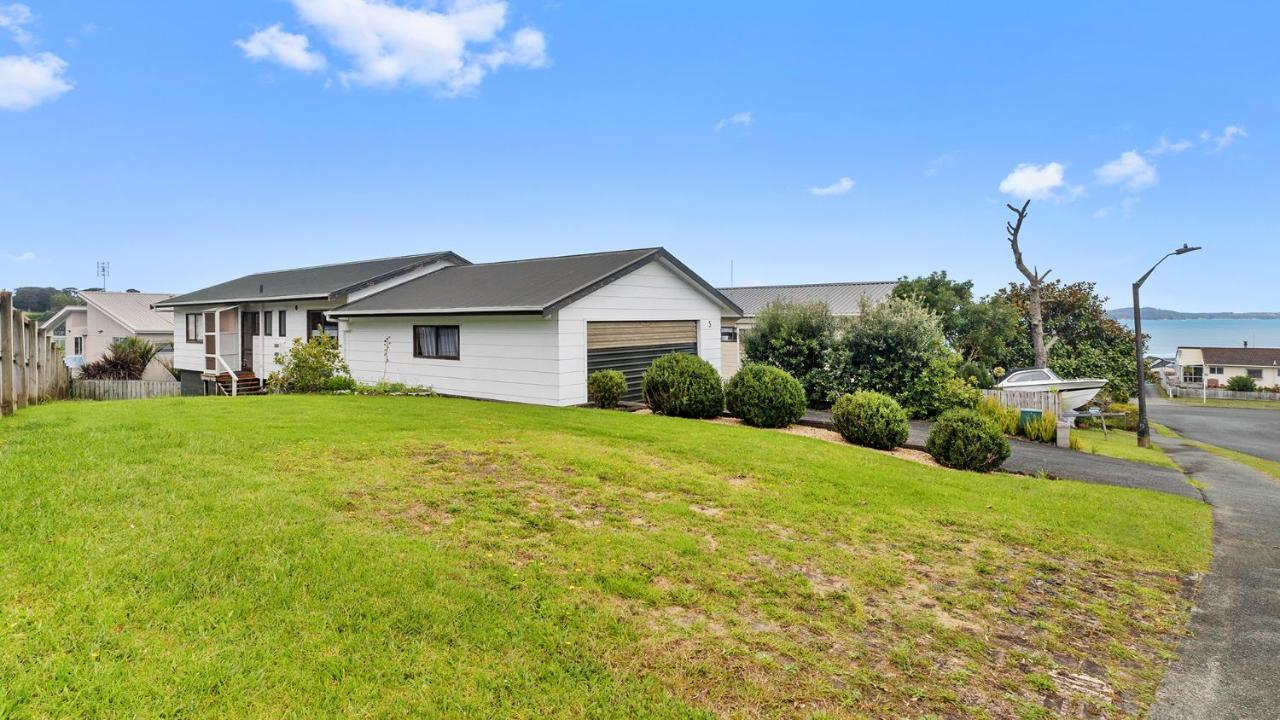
x,y
683,385
765,396
1042,429
975,373
339,383
126,358
310,366
383,387
871,419
958,393
1006,418
606,387
1242,383
967,440
798,338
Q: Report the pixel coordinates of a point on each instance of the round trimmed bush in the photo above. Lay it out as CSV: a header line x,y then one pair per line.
x,y
870,419
765,396
965,440
606,387
683,385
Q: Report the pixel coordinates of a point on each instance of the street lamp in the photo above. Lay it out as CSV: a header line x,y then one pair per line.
x,y
1144,431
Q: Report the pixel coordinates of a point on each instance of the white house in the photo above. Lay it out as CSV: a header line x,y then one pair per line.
x,y
1214,366
88,330
842,299
524,330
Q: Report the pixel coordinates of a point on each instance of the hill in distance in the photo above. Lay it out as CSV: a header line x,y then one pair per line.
x,y
1151,313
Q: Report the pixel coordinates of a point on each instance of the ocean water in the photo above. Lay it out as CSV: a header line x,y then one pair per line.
x,y
1167,335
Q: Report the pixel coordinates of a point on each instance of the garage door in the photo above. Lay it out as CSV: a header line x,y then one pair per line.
x,y
630,347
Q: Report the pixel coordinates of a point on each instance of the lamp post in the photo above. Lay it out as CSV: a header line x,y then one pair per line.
x,y
1144,431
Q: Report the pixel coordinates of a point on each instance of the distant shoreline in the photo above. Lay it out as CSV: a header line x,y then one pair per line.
x,y
1162,314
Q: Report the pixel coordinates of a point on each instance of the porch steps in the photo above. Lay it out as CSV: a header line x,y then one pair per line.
x,y
246,383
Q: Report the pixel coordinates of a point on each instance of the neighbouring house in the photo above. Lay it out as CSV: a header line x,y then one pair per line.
x,y
86,331
523,330
842,299
1214,366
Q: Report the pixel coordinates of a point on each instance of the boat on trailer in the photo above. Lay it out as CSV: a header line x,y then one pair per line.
x,y
1073,393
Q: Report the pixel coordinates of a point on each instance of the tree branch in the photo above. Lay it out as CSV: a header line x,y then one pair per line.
x,y
1015,229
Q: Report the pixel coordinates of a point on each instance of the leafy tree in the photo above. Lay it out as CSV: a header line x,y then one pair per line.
x,y
1085,341
897,348
33,299
797,337
984,331
312,365
947,298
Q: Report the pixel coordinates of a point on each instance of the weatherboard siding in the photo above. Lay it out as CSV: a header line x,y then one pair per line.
x,y
653,292
502,357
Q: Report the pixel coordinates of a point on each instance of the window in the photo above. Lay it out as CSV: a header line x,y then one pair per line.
x,y
1255,374
436,341
1215,369
193,328
728,333
266,322
1192,373
281,324
316,319
164,347
78,342
1028,376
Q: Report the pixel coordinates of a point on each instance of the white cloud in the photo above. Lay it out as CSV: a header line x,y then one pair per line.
x,y
1101,213
25,257
1130,170
938,163
286,48
742,118
450,50
839,187
1037,182
1229,135
12,18
29,80
1165,146
1129,203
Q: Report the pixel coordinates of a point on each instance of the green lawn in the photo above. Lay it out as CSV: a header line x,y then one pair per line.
x,y
1121,444
1224,403
426,557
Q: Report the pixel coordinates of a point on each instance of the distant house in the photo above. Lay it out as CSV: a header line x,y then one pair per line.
x,y
522,330
1214,366
842,299
88,330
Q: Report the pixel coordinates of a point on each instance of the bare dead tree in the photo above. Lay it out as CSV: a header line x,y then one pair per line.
x,y
1034,280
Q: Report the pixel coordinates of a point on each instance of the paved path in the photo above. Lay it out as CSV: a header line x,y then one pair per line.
x,y
1230,666
1031,458
1256,432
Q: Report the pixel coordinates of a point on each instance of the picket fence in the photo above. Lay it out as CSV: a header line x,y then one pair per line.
x,y
32,369
123,389
1027,400
1221,394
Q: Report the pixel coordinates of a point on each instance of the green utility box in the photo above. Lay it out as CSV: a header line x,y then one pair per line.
x,y
1026,415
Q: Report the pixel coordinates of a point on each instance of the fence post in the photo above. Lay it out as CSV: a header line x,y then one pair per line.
x,y
33,372
20,359
6,353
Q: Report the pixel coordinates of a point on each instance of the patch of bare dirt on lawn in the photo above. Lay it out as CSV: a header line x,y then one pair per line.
x,y
831,436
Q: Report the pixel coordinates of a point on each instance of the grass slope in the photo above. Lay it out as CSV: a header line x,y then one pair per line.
x,y
1122,444
410,557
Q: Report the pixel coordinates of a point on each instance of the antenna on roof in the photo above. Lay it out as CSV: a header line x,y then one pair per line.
x,y
104,269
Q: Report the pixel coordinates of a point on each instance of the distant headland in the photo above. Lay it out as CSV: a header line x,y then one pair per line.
x,y
1150,313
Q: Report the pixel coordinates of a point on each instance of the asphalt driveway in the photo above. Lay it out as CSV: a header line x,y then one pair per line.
x,y
1255,432
1227,668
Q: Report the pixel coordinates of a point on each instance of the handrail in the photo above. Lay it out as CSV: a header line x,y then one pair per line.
x,y
235,379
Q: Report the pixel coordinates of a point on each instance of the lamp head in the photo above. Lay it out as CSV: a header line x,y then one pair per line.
x,y
1185,249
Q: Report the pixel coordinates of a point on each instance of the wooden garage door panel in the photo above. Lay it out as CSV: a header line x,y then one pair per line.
x,y
640,334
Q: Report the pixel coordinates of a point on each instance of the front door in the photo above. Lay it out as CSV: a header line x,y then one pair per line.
x,y
248,328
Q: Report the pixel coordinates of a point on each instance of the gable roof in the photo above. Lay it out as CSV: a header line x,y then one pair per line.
x,y
57,318
536,285
1241,356
841,298
133,310
319,282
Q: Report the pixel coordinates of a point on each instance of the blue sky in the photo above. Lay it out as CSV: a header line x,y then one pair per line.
x,y
188,143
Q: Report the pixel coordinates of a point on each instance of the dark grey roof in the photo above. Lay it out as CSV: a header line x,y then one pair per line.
x,y
841,298
1240,356
538,285
320,281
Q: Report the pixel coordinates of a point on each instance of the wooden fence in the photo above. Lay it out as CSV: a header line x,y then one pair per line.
x,y
123,389
1221,393
1026,399
31,364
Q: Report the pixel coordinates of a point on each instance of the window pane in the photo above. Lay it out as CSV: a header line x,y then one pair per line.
x,y
447,340
282,330
266,322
